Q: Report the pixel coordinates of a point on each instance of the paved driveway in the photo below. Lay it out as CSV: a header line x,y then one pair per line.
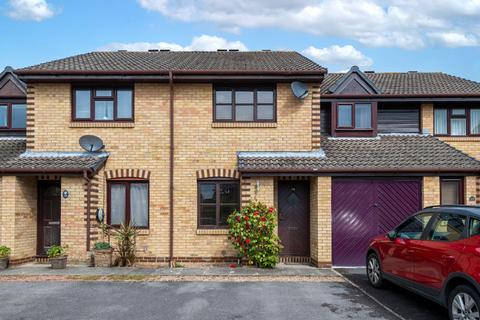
x,y
403,302
185,300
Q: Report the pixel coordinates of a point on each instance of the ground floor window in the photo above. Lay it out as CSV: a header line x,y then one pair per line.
x,y
216,201
451,190
128,203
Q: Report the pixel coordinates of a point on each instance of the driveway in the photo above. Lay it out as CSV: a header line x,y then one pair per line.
x,y
186,300
406,304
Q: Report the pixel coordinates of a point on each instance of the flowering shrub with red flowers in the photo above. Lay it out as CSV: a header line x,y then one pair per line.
x,y
253,234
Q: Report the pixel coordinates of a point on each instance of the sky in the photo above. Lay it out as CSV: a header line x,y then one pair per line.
x,y
379,35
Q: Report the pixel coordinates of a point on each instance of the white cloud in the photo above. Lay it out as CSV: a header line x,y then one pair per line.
x,y
36,10
345,56
201,43
383,23
454,39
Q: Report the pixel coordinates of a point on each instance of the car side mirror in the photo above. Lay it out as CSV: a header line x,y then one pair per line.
x,y
392,235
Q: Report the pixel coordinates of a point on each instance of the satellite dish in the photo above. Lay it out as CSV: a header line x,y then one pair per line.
x,y
299,89
91,143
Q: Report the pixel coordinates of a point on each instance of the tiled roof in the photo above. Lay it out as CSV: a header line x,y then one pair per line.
x,y
386,152
197,61
14,157
412,83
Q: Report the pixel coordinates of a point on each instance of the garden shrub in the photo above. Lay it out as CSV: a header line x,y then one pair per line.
x,y
252,231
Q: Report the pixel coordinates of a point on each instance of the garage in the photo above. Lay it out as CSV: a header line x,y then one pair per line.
x,y
364,208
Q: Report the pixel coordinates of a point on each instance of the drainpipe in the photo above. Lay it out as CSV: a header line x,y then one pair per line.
x,y
172,150
89,189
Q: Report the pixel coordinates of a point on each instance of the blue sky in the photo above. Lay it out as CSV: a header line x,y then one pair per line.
x,y
380,35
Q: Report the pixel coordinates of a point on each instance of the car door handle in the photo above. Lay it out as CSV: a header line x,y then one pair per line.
x,y
410,251
448,258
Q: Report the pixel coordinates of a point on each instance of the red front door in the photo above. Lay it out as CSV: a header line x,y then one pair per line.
x,y
48,215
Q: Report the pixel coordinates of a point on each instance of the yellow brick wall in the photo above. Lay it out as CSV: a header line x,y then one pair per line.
x,y
321,220
199,143
72,221
431,191
470,190
26,217
18,215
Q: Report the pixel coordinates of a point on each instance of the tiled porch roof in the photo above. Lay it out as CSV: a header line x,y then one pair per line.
x,y
16,159
385,153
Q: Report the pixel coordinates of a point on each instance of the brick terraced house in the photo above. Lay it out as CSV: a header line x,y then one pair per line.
x,y
190,136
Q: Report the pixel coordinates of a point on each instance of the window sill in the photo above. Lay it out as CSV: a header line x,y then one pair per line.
x,y
82,124
459,138
244,124
353,129
212,231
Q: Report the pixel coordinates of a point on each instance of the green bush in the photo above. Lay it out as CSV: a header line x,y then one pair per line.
x,y
57,251
4,251
102,246
252,231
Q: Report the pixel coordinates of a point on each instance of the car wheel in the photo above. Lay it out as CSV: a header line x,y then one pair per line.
x,y
464,303
374,272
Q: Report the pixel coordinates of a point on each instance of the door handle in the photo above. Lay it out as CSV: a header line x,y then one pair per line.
x,y
410,251
54,223
448,258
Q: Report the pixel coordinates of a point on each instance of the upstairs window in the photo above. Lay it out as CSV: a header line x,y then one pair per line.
x,y
103,104
457,121
355,116
13,116
244,104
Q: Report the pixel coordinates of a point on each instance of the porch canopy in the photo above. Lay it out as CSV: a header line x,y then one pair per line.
x,y
384,154
15,159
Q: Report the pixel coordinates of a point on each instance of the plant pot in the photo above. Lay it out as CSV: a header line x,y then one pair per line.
x,y
59,262
4,263
103,258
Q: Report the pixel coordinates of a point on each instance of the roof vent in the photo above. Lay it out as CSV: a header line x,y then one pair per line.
x,y
266,50
369,71
233,50
222,50
122,50
412,71
164,50
152,50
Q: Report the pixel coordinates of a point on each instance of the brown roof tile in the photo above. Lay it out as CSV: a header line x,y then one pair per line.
x,y
386,152
14,157
197,61
412,83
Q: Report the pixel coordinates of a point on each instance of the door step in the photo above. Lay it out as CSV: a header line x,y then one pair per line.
x,y
294,259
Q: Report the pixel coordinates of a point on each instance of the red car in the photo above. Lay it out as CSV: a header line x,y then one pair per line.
x,y
435,253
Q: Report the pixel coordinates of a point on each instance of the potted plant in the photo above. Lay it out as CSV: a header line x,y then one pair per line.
x,y
58,257
102,254
4,257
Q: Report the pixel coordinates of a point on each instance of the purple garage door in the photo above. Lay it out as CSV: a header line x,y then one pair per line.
x,y
362,209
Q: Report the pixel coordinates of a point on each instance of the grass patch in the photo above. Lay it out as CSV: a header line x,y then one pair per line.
x,y
127,277
85,277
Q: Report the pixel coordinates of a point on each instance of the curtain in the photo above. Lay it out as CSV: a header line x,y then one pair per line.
x,y
344,115
458,127
441,121
117,204
139,204
475,121
103,110
363,116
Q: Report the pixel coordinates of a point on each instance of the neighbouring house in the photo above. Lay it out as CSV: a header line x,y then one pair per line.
x,y
190,136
